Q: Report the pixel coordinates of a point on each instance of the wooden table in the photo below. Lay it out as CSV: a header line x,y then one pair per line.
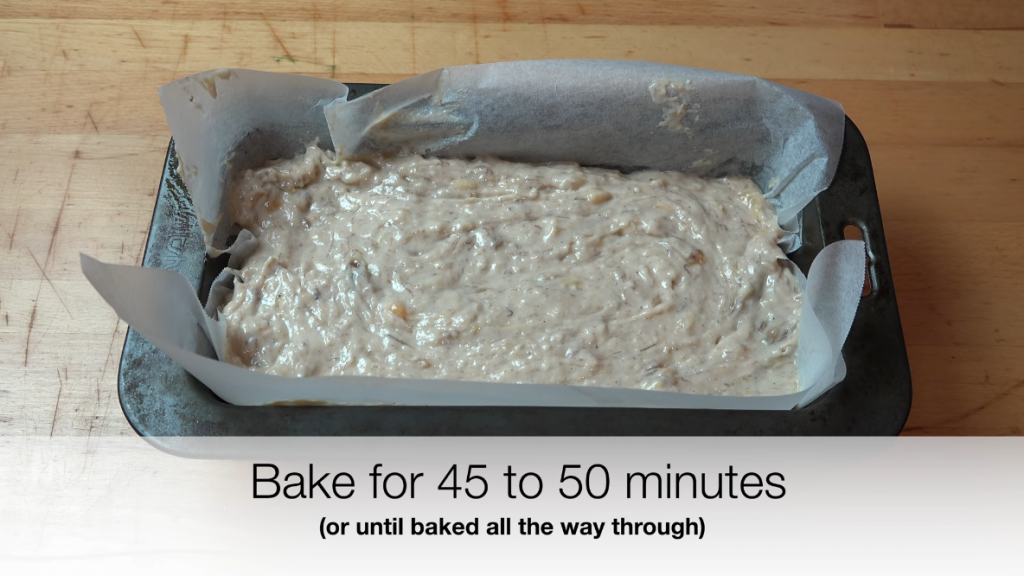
x,y
936,87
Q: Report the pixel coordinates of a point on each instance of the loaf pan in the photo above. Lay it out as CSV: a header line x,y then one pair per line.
x,y
159,398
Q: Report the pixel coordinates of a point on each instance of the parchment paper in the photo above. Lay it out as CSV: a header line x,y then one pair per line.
x,y
624,115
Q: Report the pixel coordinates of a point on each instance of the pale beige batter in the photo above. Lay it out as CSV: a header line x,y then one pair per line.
x,y
487,270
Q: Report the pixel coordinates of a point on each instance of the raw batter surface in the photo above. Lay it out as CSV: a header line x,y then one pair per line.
x,y
488,270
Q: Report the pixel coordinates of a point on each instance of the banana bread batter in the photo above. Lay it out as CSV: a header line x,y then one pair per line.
x,y
487,270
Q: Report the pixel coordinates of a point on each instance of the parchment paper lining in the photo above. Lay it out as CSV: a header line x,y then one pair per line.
x,y
624,115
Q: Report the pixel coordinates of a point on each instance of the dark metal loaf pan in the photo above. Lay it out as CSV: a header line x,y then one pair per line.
x,y
160,399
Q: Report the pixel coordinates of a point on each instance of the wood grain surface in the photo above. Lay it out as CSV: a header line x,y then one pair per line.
x,y
937,87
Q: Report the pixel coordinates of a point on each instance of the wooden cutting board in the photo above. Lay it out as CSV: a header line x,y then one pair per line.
x,y
936,87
